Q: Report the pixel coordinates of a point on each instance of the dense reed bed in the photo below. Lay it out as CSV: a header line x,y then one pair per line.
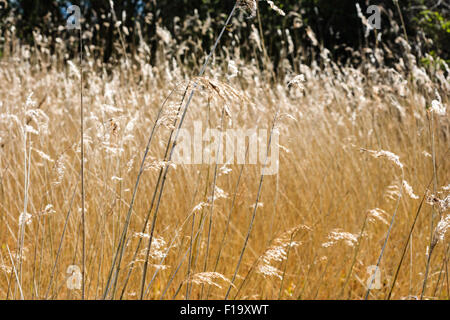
x,y
363,178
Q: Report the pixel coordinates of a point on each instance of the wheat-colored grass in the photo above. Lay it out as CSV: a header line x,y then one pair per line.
x,y
357,146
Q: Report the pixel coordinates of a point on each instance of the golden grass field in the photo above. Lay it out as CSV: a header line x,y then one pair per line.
x,y
357,147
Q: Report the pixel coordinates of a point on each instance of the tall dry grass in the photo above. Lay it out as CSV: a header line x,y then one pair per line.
x,y
359,147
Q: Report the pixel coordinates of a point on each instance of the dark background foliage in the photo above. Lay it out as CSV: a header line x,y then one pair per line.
x,y
193,25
